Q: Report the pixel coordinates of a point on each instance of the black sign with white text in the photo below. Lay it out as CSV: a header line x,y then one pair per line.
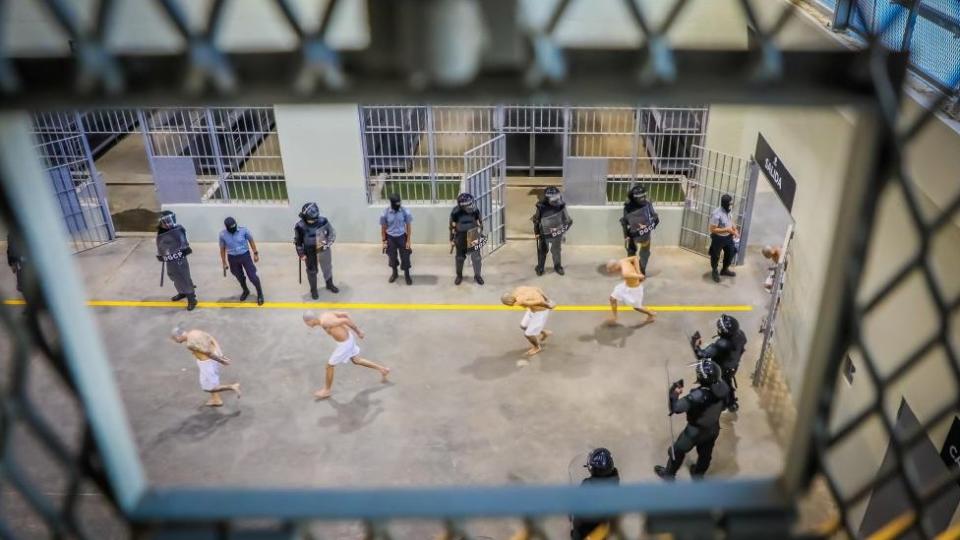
x,y
778,175
950,453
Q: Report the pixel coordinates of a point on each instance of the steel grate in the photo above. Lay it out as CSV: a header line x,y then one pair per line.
x,y
313,71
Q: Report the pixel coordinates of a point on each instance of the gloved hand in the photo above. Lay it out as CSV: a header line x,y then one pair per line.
x,y
159,258
676,387
187,251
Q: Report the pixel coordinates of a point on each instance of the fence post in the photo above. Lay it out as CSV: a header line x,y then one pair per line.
x,y
218,155
634,159
753,174
431,148
842,14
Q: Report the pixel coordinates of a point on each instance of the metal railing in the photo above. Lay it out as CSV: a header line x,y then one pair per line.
x,y
68,162
416,150
235,152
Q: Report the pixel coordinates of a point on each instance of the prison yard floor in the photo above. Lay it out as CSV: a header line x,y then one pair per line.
x,y
460,408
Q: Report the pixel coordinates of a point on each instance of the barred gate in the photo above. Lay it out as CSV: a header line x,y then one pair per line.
x,y
485,171
714,174
66,158
773,307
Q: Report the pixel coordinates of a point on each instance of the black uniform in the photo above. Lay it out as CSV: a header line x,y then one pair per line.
x,y
583,526
466,228
550,224
172,250
638,222
314,241
703,406
726,352
15,261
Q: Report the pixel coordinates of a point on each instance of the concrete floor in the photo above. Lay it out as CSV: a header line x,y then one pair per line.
x,y
459,409
130,189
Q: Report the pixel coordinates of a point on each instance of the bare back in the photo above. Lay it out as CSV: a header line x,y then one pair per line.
x,y
202,344
531,298
630,271
335,325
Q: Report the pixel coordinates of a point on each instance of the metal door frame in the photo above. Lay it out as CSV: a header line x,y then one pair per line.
x,y
737,176
484,177
773,306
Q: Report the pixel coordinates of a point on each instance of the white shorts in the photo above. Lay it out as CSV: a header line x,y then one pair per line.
x,y
630,296
345,350
209,374
534,321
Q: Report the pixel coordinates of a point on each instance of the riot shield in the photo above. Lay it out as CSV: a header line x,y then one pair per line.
x,y
553,225
171,244
639,222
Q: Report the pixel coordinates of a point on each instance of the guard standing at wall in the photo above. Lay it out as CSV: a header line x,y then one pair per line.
x,y
313,237
703,406
602,472
550,224
235,245
466,235
15,260
722,234
396,230
172,251
726,351
638,222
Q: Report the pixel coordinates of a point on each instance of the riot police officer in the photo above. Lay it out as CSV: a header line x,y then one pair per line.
x,y
466,235
172,250
550,223
726,352
602,472
638,222
313,236
703,406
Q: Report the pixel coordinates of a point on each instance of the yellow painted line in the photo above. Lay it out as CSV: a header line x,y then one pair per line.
x,y
385,307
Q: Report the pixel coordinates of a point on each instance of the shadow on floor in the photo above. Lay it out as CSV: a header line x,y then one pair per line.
x,y
355,414
488,368
614,335
196,427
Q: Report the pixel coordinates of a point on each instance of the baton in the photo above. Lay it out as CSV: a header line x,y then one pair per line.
x,y
163,267
673,438
300,269
224,271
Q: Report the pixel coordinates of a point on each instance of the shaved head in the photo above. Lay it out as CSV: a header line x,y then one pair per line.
x,y
178,334
310,318
767,251
613,266
508,299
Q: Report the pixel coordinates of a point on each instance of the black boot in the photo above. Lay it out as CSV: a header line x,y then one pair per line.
x,y
191,302
259,296
244,294
538,269
459,279
178,297
559,269
478,279
407,278
394,275
716,276
728,272
664,473
312,279
331,287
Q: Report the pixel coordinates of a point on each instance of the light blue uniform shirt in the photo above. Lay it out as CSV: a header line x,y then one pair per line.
x,y
236,243
396,222
721,219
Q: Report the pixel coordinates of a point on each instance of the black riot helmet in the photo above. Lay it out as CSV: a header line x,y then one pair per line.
x,y
726,202
168,219
638,194
727,325
310,212
708,372
552,196
600,462
465,201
